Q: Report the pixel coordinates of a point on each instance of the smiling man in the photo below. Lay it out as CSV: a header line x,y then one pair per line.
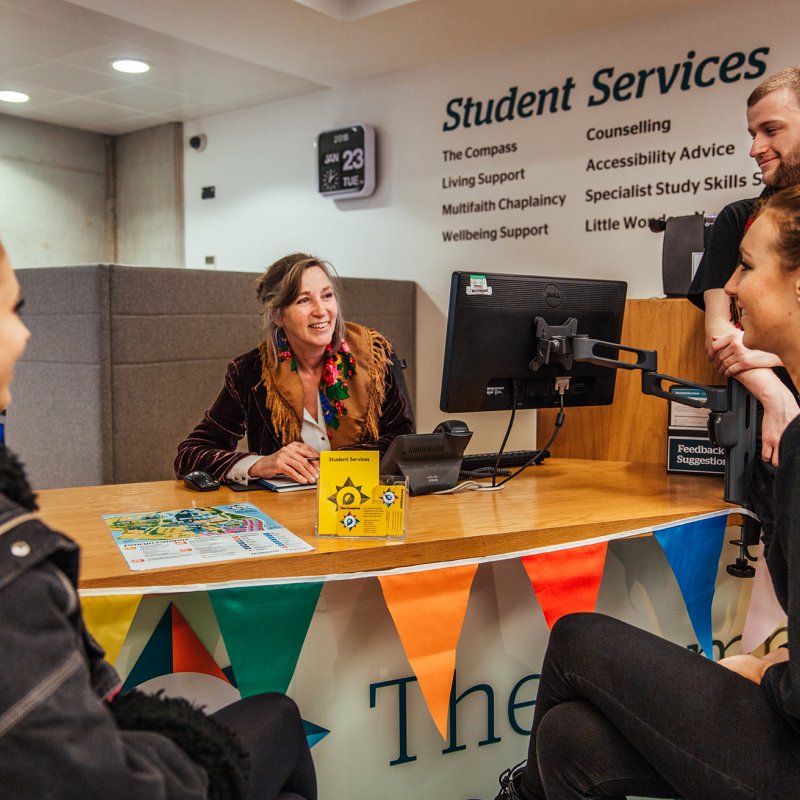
x,y
773,120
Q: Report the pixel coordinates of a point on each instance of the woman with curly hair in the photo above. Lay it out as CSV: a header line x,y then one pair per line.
x,y
315,383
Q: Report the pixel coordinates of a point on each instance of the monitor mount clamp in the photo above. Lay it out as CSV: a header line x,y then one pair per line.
x,y
732,409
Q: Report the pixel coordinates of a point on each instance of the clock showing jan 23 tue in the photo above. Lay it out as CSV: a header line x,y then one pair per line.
x,y
346,162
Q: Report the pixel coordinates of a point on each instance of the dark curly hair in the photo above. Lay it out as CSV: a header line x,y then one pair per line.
x,y
784,207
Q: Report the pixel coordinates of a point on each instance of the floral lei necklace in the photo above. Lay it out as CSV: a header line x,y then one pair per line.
x,y
337,369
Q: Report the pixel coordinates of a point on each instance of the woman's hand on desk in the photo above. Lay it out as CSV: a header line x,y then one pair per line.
x,y
297,460
754,667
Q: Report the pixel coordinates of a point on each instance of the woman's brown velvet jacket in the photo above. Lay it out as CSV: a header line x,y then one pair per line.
x,y
241,409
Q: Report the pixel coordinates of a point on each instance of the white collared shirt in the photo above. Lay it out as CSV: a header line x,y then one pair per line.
x,y
314,433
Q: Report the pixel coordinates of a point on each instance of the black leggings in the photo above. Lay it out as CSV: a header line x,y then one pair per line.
x,y
271,730
621,711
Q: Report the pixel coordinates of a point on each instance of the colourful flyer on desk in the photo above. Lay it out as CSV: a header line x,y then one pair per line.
x,y
200,536
353,500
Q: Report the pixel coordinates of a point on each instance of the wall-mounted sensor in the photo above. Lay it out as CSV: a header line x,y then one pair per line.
x,y
198,142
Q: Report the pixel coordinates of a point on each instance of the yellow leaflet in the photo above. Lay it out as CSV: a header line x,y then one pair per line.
x,y
352,501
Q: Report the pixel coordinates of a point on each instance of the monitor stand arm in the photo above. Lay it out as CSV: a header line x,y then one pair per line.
x,y
732,421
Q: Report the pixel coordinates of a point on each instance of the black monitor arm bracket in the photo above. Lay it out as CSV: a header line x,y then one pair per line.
x,y
731,422
562,344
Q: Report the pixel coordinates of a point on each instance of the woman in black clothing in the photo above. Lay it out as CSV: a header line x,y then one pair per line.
x,y
65,730
623,712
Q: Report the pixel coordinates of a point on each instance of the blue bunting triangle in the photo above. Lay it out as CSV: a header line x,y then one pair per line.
x,y
693,550
314,733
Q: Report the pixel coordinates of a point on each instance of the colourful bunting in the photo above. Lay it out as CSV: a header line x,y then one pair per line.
x,y
188,652
428,609
173,647
314,733
764,614
108,618
693,550
156,657
264,628
567,580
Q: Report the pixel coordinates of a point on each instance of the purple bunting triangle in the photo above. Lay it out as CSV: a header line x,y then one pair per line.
x,y
693,550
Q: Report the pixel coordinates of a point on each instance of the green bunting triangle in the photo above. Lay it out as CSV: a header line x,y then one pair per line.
x,y
264,628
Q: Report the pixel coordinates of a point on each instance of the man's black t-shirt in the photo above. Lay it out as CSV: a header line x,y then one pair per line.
x,y
721,257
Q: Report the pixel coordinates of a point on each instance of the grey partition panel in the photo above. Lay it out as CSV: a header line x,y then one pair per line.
x,y
60,420
172,333
125,360
390,307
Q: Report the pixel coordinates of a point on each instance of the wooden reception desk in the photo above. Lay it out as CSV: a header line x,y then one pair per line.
x,y
563,500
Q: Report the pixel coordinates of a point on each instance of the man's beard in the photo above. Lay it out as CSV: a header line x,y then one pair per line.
x,y
788,171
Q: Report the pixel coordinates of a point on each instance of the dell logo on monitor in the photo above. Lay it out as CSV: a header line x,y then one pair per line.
x,y
552,295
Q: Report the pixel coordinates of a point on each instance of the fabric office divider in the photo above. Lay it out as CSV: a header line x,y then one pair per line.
x,y
123,361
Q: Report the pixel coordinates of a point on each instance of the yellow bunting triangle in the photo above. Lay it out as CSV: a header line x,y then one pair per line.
x,y
428,609
566,580
108,618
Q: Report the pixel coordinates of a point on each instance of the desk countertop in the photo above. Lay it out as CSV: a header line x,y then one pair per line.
x,y
563,500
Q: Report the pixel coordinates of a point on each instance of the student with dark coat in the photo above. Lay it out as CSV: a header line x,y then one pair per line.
x,y
65,729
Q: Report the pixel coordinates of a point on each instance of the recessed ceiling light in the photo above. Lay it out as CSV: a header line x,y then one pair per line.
x,y
7,96
130,65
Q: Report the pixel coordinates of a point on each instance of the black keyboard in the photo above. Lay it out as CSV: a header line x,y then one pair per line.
x,y
510,458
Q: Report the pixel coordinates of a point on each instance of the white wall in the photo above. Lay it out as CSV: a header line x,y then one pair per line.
x,y
69,196
261,162
54,194
149,196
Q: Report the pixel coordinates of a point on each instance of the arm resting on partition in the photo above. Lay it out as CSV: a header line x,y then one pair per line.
x,y
752,368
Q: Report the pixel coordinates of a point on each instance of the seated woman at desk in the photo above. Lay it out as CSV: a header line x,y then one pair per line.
x,y
65,730
623,712
315,383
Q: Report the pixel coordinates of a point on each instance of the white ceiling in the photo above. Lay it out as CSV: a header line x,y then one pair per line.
x,y
212,56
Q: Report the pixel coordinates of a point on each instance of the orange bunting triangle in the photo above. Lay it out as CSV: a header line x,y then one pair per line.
x,y
188,652
428,609
566,580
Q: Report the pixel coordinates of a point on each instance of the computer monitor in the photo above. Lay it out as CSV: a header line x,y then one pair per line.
x,y
492,340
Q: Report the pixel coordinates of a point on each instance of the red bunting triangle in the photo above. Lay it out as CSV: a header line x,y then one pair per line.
x,y
566,580
188,652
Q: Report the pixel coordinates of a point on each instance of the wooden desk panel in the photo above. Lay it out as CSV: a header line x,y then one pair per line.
x,y
563,500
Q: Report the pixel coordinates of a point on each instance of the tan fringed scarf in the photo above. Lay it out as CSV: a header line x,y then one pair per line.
x,y
367,387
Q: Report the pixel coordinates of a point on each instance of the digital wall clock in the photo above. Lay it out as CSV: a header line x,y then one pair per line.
x,y
346,162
